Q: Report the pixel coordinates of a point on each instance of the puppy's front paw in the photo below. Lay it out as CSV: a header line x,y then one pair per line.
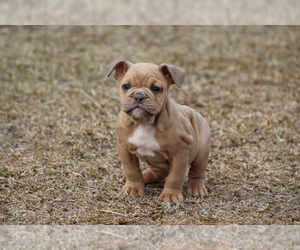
x,y
197,188
171,195
133,189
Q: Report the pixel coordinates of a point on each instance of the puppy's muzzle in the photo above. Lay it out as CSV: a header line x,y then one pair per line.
x,y
137,105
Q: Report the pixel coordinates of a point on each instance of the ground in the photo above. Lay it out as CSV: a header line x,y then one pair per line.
x,y
58,159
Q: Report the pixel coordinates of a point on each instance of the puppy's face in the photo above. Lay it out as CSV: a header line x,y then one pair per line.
x,y
143,91
144,87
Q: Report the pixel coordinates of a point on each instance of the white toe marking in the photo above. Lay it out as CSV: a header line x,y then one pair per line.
x,y
143,138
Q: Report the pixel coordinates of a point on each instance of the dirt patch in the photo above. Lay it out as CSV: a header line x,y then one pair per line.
x,y
57,112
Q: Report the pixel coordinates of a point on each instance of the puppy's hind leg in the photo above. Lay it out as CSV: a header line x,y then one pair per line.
x,y
155,174
196,174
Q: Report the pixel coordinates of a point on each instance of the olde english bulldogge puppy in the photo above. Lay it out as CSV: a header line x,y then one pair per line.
x,y
171,138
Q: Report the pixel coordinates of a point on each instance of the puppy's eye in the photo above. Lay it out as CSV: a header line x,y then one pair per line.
x,y
126,87
156,89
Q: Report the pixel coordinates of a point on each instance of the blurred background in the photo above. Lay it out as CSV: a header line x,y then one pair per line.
x,y
143,12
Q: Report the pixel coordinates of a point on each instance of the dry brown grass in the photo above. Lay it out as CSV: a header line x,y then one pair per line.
x,y
57,112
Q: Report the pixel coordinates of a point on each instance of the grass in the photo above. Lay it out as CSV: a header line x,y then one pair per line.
x,y
58,161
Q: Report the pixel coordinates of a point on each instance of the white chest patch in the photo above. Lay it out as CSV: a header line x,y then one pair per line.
x,y
143,138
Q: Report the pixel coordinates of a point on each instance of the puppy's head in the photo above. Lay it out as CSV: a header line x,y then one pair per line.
x,y
144,87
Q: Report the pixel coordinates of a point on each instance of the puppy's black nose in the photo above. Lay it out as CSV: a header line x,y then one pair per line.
x,y
138,97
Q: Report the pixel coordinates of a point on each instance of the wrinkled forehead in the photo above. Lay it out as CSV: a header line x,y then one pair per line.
x,y
141,72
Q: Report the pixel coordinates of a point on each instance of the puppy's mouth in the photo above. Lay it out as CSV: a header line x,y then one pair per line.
x,y
138,111
139,105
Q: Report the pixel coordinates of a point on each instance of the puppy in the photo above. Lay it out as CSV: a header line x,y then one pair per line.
x,y
171,138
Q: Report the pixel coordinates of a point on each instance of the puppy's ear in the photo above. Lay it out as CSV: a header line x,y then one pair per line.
x,y
174,74
121,68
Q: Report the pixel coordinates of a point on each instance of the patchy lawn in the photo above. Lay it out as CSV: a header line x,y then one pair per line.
x,y
58,161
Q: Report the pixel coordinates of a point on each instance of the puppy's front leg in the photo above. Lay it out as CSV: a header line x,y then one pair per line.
x,y
134,185
172,191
